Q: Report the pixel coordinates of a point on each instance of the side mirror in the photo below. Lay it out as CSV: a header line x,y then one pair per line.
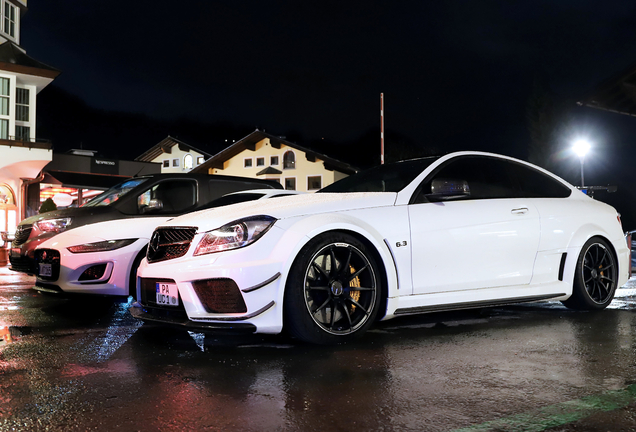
x,y
447,189
154,205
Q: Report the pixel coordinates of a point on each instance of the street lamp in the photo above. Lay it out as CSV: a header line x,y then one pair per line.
x,y
581,147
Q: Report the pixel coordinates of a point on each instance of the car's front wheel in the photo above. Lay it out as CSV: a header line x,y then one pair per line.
x,y
595,277
132,278
333,290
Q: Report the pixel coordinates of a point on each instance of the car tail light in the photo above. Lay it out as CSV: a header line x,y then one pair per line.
x,y
220,296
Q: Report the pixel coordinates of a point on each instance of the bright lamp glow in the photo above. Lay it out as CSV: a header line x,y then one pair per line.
x,y
581,147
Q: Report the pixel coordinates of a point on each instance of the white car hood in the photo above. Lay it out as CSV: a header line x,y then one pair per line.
x,y
109,230
284,207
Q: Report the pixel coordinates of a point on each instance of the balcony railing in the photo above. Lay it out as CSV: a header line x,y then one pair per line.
x,y
28,143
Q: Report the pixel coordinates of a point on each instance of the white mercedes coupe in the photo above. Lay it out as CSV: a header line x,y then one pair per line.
x,y
102,258
464,230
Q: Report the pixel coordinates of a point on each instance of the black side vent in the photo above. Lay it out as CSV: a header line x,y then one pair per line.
x,y
562,266
170,243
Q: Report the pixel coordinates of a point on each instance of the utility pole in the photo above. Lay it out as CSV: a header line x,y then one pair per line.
x,y
381,128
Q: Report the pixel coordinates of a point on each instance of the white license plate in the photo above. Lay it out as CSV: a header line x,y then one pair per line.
x,y
46,270
15,253
167,294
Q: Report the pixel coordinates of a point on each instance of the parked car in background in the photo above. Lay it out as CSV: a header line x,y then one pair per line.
x,y
467,229
139,197
102,258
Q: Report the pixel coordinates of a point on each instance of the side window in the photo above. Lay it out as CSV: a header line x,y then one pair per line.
x,y
487,178
535,184
172,196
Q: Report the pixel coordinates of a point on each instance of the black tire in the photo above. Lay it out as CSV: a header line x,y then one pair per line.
x,y
326,303
132,281
595,276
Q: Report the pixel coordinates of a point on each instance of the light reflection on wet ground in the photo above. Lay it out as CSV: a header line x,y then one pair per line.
x,y
81,366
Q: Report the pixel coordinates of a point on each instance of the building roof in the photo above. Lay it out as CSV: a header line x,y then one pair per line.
x,y
82,180
616,94
249,142
14,59
165,146
269,170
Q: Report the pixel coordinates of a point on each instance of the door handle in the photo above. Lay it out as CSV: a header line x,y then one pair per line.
x,y
519,211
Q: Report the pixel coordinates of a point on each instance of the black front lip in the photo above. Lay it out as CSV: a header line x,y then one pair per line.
x,y
147,315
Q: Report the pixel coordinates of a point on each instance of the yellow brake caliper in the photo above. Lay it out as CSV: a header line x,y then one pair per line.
x,y
354,283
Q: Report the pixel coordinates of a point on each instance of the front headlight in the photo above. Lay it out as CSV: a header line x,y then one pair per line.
x,y
234,235
101,246
53,225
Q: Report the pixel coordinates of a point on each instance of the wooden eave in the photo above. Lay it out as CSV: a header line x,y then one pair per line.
x,y
165,147
249,143
617,94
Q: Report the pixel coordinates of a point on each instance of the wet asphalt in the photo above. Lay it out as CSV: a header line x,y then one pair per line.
x,y
84,364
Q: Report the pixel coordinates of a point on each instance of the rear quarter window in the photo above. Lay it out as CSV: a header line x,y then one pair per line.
x,y
535,184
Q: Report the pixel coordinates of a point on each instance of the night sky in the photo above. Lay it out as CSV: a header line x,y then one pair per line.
x,y
455,74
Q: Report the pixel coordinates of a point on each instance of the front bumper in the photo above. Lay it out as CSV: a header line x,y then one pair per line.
x,y
99,273
232,290
21,263
180,319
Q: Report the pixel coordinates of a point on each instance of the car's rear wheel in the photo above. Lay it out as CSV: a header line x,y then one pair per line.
x,y
595,277
333,291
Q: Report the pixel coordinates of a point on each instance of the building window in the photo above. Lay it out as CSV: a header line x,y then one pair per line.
x,y
314,182
260,161
290,183
4,96
188,161
6,195
10,17
273,160
22,104
289,160
200,160
175,163
247,163
23,133
166,163
4,129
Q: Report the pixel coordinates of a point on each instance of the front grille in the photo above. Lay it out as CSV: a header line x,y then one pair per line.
x,y
169,243
22,264
220,296
22,234
47,257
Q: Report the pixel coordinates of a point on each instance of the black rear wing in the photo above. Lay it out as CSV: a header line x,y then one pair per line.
x,y
589,190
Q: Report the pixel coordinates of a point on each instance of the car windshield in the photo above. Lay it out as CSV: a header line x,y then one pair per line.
x,y
114,193
383,178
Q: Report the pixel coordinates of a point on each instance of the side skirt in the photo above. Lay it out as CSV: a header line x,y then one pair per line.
x,y
473,305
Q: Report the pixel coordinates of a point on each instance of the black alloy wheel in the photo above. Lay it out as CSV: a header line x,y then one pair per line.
x,y
333,293
595,278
